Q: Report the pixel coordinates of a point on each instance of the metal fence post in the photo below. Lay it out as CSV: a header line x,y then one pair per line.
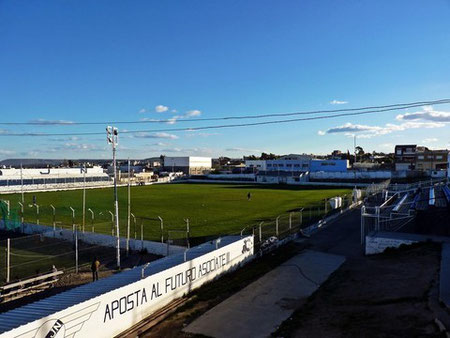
x,y
8,265
37,214
134,221
73,219
325,206
142,234
290,220
260,232
54,222
21,212
377,212
276,225
168,243
187,232
363,230
76,249
301,216
92,219
161,223
112,223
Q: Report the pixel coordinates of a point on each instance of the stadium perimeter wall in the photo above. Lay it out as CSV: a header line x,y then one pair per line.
x,y
156,248
113,312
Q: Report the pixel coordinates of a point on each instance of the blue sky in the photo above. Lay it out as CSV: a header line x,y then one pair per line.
x,y
120,60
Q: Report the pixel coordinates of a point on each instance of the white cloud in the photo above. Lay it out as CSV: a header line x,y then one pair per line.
x,y
156,135
172,150
161,109
174,119
142,111
191,151
365,131
192,113
191,133
428,114
50,122
243,150
6,152
160,144
321,132
430,140
338,102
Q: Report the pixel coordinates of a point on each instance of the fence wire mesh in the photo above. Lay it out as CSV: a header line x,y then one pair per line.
x,y
36,254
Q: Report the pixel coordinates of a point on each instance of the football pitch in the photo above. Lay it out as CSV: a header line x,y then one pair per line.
x,y
212,209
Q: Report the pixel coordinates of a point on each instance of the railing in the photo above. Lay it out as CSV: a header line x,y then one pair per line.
x,y
17,289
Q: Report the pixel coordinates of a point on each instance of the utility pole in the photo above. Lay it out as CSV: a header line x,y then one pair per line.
x,y
113,139
129,207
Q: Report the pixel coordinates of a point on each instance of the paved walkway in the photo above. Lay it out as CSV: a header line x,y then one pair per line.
x,y
444,283
258,309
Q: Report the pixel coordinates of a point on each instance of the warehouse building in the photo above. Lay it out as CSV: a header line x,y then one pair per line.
x,y
189,165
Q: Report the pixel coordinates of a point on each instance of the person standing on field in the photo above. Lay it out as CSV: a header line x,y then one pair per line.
x,y
95,267
249,196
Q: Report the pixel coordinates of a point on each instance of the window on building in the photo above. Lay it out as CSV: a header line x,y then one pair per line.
x,y
420,157
438,157
269,165
399,151
289,165
297,165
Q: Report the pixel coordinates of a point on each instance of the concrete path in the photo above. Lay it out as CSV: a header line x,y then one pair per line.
x,y
444,283
258,309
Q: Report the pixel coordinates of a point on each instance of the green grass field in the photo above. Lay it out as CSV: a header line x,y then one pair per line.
x,y
213,209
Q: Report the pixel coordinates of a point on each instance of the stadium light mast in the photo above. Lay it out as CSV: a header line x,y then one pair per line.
x,y
112,136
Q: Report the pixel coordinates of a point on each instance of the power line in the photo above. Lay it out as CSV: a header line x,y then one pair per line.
x,y
395,106
209,127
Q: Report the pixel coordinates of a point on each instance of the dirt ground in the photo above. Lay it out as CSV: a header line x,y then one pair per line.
x,y
393,294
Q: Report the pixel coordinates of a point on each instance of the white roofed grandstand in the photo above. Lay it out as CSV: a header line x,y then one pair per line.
x,y
51,178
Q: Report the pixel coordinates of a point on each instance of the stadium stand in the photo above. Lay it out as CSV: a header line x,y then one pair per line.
x,y
50,178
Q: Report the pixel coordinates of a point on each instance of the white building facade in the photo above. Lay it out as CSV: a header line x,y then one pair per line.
x,y
190,165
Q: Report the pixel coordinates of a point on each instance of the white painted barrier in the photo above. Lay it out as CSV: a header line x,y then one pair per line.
x,y
113,312
156,248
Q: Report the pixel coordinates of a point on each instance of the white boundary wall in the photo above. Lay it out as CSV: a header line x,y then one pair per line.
x,y
156,248
376,245
114,312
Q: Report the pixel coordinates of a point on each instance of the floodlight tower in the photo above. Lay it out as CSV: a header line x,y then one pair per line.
x,y
112,136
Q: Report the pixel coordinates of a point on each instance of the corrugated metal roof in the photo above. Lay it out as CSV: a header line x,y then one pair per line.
x,y
45,307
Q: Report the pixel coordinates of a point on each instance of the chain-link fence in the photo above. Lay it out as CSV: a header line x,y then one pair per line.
x,y
27,256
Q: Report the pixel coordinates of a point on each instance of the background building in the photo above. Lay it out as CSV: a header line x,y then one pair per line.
x,y
431,159
329,165
256,164
413,157
405,157
291,163
189,165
